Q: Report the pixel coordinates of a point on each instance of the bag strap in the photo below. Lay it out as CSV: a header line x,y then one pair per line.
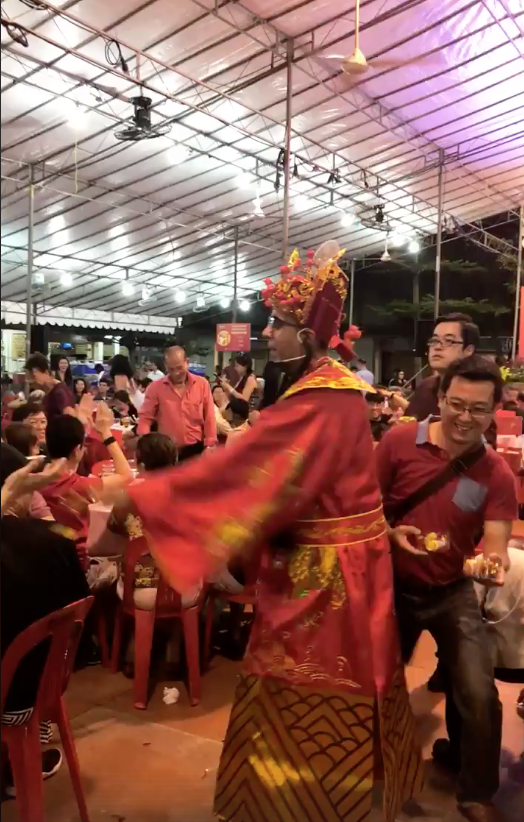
x,y
455,468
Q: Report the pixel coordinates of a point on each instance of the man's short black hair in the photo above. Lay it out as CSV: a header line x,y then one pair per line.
x,y
21,436
475,369
38,362
156,451
145,382
374,398
64,434
361,361
104,380
26,410
470,332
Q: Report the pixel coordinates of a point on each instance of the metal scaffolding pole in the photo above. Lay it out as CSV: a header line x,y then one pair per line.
x,y
351,291
287,149
438,259
30,257
235,278
518,306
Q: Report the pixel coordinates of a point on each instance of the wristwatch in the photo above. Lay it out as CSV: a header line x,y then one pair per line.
x,y
109,441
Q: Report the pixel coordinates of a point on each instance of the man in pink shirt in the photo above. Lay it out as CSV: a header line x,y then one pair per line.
x,y
182,406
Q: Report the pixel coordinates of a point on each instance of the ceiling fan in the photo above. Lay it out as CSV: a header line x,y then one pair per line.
x,y
356,64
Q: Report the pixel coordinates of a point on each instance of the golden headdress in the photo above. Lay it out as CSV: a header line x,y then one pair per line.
x,y
312,294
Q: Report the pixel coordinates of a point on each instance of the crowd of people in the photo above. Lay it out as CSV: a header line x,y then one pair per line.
x,y
449,501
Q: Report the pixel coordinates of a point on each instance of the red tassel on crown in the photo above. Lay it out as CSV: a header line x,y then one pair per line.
x,y
344,346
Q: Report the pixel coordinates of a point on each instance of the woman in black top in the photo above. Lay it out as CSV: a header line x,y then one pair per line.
x,y
63,372
81,388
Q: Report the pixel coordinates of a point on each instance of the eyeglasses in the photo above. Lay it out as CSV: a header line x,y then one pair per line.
x,y
276,323
445,342
478,412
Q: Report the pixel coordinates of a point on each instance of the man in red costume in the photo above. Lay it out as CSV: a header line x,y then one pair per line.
x,y
321,708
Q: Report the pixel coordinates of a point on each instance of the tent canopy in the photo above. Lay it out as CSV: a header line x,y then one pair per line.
x,y
162,213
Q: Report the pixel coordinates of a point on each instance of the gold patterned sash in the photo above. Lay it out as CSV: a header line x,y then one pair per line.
x,y
341,531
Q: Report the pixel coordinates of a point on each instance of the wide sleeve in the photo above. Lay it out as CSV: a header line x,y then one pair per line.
x,y
197,516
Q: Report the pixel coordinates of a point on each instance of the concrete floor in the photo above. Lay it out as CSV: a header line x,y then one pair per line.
x,y
160,765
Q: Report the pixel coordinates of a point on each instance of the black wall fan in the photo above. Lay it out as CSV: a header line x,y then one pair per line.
x,y
142,128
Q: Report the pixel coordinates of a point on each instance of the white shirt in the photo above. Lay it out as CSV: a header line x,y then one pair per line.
x,y
366,375
156,375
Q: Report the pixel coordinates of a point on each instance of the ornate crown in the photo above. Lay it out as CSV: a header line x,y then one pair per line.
x,y
313,293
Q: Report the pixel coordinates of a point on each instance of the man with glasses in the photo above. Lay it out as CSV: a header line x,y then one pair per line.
x,y
442,487
455,337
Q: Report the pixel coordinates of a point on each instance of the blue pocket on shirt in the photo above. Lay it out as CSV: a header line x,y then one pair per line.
x,y
469,495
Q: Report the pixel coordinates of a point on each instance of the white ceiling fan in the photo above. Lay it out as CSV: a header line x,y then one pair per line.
x,y
356,64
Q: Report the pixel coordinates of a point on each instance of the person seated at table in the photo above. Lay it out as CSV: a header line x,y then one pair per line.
x,y
34,415
223,414
40,573
124,410
22,436
241,388
104,390
70,495
155,452
12,460
81,388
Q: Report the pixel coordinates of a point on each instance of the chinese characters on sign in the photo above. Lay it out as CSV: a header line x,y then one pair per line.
x,y
233,337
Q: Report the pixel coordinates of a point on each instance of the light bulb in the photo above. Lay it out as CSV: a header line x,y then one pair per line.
x,y
200,301
178,154
77,117
414,247
128,289
347,219
66,279
398,240
244,180
146,293
386,257
302,202
39,278
180,297
225,302
257,207
244,305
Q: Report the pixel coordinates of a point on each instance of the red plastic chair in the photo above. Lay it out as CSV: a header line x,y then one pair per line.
x,y
508,424
168,605
247,597
63,629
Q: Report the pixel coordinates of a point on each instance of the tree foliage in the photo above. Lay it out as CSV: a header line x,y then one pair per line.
x,y
426,307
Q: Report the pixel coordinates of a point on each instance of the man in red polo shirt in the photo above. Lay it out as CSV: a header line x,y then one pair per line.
x,y
432,591
455,336
182,406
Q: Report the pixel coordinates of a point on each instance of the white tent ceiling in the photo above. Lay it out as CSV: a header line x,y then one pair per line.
x,y
165,210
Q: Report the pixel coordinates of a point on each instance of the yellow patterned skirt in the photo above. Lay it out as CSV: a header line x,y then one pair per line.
x,y
300,754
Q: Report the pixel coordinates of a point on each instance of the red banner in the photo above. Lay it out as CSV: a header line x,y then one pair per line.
x,y
233,337
521,328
